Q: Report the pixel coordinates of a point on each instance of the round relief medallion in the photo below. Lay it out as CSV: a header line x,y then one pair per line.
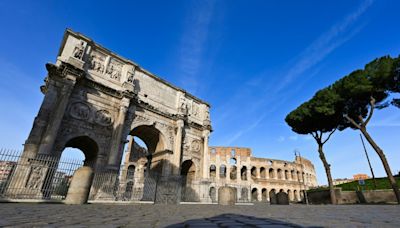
x,y
103,117
80,111
196,145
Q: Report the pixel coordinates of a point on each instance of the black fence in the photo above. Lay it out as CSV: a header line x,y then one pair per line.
x,y
48,177
39,177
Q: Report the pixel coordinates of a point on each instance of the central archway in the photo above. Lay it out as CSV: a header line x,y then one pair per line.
x,y
156,154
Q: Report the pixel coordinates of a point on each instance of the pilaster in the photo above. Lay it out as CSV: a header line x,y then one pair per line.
x,y
206,154
178,146
117,142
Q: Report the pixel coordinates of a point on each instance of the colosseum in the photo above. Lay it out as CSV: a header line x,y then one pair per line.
x,y
255,179
258,179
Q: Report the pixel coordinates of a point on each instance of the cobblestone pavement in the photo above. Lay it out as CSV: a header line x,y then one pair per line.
x,y
144,215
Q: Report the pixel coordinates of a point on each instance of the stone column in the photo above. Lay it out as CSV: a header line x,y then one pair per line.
x,y
178,146
275,174
217,166
259,194
258,173
249,174
206,154
114,159
238,169
228,172
57,113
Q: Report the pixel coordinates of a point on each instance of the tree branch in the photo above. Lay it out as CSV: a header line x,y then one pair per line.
x,y
314,135
320,135
329,136
351,121
372,103
361,119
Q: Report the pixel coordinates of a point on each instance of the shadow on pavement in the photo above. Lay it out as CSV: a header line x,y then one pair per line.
x,y
234,220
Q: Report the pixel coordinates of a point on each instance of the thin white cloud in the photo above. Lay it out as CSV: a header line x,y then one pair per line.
x,y
241,132
281,139
336,36
193,41
318,50
293,137
307,137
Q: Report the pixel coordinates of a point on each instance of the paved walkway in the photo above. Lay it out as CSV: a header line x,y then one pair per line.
x,y
259,215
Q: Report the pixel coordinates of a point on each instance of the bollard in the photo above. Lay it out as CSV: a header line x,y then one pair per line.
x,y
78,192
226,196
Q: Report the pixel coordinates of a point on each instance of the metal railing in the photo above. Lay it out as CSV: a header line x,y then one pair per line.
x,y
38,177
49,177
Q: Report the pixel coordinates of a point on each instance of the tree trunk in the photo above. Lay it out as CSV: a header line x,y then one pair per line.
x,y
382,156
328,173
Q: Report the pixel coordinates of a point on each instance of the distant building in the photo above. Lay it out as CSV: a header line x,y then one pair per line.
x,y
341,181
360,176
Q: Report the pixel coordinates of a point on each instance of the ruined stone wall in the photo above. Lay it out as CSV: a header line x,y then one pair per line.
x,y
257,178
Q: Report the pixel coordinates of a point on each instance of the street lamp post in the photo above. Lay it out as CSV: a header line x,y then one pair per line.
x,y
302,171
369,163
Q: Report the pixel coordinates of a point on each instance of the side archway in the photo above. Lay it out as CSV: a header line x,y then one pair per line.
x,y
87,145
188,173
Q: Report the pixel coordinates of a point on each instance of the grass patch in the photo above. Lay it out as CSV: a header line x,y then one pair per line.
x,y
381,183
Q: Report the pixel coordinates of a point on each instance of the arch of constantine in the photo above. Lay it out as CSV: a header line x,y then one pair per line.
x,y
98,102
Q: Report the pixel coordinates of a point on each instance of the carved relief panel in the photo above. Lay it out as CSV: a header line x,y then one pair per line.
x,y
114,69
97,61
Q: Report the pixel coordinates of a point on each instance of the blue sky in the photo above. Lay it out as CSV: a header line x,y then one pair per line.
x,y
253,61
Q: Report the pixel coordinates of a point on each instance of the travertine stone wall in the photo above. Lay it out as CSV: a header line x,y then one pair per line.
x,y
258,178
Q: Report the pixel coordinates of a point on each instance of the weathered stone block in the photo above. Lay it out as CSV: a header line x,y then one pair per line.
x,y
78,192
226,196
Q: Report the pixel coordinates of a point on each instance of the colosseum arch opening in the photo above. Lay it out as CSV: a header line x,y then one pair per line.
x,y
271,173
254,195
286,175
213,171
253,172
263,173
243,173
272,196
280,174
264,194
233,172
